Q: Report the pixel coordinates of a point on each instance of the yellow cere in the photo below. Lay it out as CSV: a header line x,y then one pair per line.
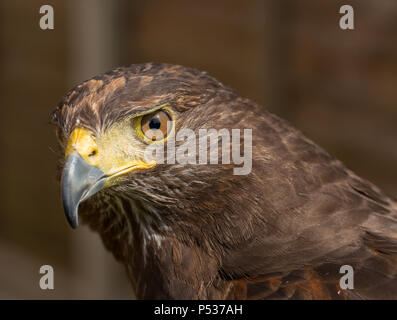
x,y
117,151
82,141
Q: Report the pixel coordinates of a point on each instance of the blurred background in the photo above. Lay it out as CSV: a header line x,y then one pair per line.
x,y
339,87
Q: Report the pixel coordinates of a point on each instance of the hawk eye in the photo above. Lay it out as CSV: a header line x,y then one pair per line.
x,y
156,126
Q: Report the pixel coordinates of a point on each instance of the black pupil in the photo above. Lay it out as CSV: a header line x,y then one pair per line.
x,y
154,124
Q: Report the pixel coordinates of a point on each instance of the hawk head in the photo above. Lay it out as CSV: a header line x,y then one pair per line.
x,y
106,124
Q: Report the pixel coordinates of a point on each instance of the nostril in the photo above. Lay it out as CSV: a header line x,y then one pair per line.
x,y
93,153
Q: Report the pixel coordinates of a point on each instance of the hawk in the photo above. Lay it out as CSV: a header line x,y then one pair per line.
x,y
190,230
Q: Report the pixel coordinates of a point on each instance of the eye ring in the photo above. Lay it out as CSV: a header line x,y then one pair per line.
x,y
156,126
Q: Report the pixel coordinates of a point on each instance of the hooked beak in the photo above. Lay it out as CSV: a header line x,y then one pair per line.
x,y
80,180
84,174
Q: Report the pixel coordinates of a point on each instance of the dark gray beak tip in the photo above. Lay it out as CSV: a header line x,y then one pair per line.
x,y
74,220
71,213
79,181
